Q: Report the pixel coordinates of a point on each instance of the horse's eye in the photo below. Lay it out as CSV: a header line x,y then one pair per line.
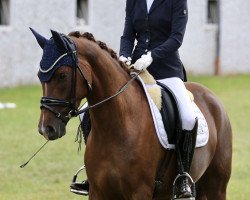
x,y
62,76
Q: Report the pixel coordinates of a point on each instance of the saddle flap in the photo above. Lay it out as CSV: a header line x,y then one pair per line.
x,y
170,114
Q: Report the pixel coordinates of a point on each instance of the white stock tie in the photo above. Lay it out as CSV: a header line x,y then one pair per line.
x,y
149,4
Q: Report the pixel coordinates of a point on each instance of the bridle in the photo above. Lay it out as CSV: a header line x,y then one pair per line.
x,y
49,102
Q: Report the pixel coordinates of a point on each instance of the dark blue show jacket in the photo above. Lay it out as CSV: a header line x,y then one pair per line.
x,y
160,31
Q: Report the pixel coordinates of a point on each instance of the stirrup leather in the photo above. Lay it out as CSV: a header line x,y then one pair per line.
x,y
175,187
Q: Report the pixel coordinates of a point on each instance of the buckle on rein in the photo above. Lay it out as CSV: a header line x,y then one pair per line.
x,y
193,190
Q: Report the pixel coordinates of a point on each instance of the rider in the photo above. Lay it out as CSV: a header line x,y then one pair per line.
x,y
158,26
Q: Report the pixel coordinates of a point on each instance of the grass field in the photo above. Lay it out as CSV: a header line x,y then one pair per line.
x,y
49,174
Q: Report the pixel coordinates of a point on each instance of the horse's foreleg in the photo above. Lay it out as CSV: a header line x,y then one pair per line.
x,y
92,196
201,197
200,193
142,193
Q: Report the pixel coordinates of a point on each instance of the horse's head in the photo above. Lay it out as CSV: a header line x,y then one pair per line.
x,y
63,83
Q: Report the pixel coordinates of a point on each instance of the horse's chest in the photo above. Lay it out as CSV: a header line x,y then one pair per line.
x,y
110,183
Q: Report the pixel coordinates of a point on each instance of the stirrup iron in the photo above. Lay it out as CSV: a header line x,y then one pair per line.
x,y
79,192
192,187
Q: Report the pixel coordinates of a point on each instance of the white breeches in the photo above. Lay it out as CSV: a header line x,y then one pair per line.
x,y
176,85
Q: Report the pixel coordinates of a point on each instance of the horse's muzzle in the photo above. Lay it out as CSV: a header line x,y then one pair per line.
x,y
51,132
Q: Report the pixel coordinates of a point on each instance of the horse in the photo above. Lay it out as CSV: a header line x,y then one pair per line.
x,y
123,154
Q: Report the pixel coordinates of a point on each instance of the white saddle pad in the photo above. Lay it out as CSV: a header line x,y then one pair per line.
x,y
202,134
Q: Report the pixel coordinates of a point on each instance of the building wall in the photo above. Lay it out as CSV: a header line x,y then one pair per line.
x,y
235,37
198,51
20,53
107,22
198,48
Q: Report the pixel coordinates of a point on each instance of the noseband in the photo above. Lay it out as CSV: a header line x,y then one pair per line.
x,y
49,102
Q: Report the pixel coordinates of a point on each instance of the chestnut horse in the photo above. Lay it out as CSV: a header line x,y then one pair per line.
x,y
123,154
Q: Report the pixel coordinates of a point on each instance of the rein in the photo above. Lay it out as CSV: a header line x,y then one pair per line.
x,y
121,90
47,102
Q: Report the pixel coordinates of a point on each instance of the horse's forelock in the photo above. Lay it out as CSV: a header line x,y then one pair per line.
x,y
102,45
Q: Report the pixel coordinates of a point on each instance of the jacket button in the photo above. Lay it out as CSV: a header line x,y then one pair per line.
x,y
146,50
147,40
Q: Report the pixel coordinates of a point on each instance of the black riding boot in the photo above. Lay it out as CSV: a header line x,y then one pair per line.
x,y
86,126
185,151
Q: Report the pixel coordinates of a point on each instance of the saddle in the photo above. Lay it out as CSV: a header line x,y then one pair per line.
x,y
170,114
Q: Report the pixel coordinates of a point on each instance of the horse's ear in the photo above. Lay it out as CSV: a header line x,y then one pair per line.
x,y
59,40
40,39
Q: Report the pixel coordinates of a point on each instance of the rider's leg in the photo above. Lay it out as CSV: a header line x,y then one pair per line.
x,y
186,141
85,123
176,85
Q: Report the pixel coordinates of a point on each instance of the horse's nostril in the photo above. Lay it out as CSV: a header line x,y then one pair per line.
x,y
51,132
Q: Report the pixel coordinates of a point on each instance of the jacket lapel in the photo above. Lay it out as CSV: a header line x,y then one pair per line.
x,y
144,5
155,4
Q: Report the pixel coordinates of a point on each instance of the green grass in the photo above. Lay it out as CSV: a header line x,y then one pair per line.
x,y
49,174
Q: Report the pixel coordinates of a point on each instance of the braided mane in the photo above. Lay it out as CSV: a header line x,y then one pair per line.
x,y
102,45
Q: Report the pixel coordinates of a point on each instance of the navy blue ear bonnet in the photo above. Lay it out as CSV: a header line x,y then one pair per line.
x,y
59,50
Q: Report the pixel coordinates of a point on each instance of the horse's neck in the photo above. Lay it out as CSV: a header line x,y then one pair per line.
x,y
108,78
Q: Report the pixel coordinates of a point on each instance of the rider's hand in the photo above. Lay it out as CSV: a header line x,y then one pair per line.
x,y
143,62
127,61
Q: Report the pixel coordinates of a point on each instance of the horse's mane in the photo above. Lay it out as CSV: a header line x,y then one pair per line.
x,y
102,45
